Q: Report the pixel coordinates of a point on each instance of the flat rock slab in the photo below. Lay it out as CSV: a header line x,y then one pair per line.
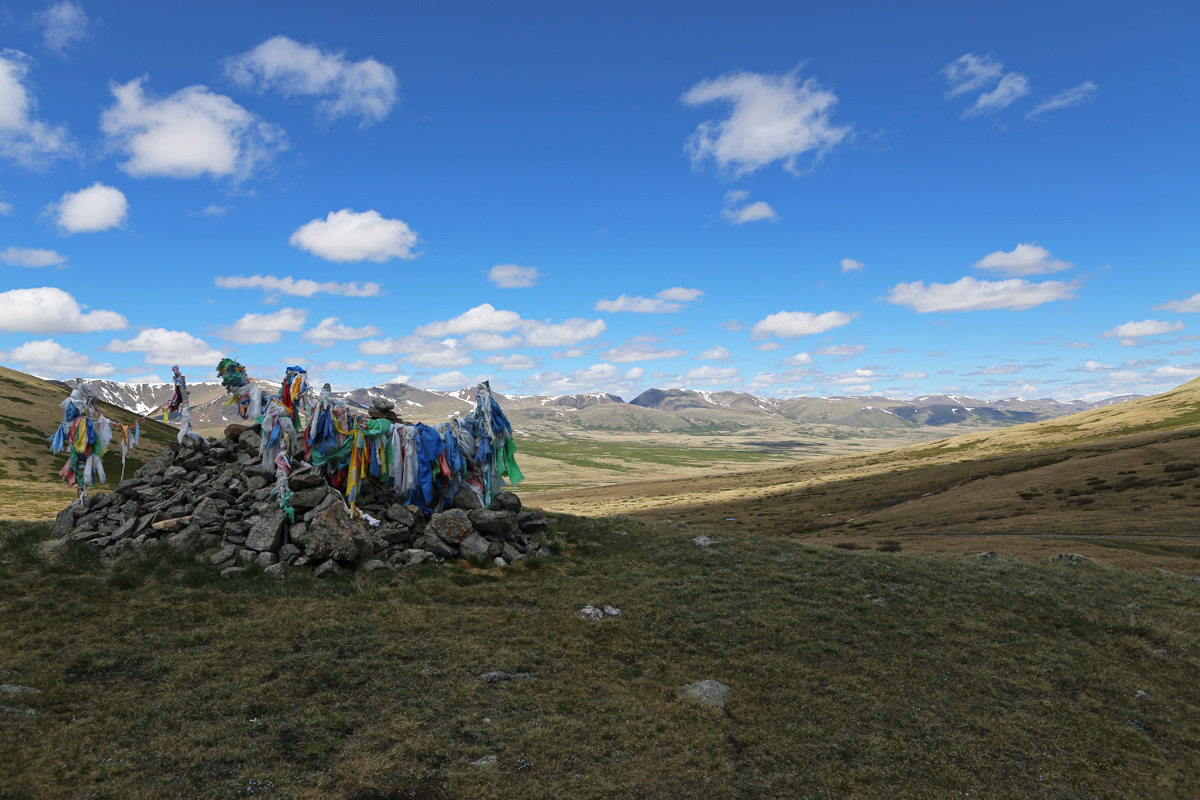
x,y
707,693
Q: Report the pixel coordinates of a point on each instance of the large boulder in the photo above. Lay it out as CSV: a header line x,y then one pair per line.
x,y
474,548
467,500
329,534
157,465
505,501
450,526
494,524
266,534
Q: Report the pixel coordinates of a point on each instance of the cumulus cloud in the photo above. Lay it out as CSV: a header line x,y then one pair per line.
x,y
793,324
96,208
331,330
348,235
738,212
912,376
563,334
1130,332
717,353
299,288
970,72
420,351
511,362
1075,96
774,118
798,360
447,380
1024,259
50,310
668,301
30,142
510,276
63,24
766,380
601,376
366,89
191,133
47,358
842,350
708,375
639,351
163,346
484,318
491,341
31,257
635,374
970,294
264,328
1188,306
850,265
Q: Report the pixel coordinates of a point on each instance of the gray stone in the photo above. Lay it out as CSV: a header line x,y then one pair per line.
x,y
207,511
326,569
400,514
703,542
486,761
474,548
544,552
305,479
435,545
374,565
247,556
707,693
509,553
267,559
224,554
63,523
329,534
988,555
84,535
531,522
467,500
505,501
157,465
174,473
289,552
178,542
500,524
394,534
128,488
1069,558
277,571
12,690
267,532
249,441
309,498
450,526
126,528
256,483
233,572
416,556
495,548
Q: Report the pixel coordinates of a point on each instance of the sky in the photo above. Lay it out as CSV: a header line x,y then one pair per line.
x,y
782,198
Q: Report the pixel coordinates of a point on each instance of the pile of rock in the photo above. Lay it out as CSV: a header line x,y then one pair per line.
x,y
215,494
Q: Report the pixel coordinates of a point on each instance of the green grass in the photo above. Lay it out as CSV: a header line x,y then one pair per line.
x,y
855,674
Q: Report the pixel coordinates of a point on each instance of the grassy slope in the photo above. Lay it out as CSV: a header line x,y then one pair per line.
x,y
854,674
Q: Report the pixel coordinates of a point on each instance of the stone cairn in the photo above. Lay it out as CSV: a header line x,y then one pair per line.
x,y
216,495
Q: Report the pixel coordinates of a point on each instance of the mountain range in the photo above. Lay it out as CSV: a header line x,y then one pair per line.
x,y
653,409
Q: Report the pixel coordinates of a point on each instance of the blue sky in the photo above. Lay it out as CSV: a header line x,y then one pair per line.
x,y
992,199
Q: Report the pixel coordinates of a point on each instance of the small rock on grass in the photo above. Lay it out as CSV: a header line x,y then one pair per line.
x,y
233,572
277,570
707,693
486,761
591,612
20,691
704,542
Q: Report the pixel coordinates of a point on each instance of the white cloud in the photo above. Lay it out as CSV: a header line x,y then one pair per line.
x,y
484,318
1188,306
563,334
162,346
491,341
1012,87
1175,371
50,310
635,374
998,369
6,209
299,288
709,375
765,380
793,324
330,330
912,376
774,118
842,350
348,235
1130,332
798,360
264,328
1075,96
750,212
767,347
191,133
638,351
31,257
30,142
47,358
970,72
511,362
510,276
448,380
96,208
850,265
970,294
63,24
214,210
1024,259
445,354
717,353
364,89
1091,365
668,301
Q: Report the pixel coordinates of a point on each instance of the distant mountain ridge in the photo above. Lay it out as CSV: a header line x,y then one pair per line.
x,y
653,409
